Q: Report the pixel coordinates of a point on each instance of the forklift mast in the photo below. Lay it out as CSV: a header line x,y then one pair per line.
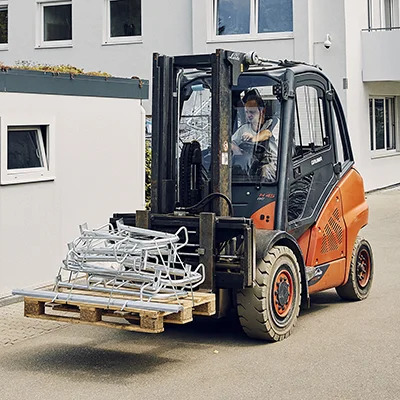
x,y
225,68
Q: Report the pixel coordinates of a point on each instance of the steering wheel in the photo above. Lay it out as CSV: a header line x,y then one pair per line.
x,y
257,149
247,147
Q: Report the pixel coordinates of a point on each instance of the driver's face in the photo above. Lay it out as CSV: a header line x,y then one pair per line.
x,y
252,111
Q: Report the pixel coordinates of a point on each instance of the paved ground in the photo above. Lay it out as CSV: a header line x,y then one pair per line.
x,y
338,351
14,327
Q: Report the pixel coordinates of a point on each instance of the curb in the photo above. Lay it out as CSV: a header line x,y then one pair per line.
x,y
6,301
9,299
383,189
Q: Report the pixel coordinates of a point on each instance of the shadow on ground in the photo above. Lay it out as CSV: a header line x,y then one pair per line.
x,y
112,353
322,300
87,363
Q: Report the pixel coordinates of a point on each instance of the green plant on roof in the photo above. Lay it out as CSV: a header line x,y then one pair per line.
x,y
56,69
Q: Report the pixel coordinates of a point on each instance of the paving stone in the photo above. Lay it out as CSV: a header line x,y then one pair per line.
x,y
14,327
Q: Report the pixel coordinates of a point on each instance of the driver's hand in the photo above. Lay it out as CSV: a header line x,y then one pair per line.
x,y
247,137
236,150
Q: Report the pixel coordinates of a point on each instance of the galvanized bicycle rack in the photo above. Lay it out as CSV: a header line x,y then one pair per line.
x,y
123,270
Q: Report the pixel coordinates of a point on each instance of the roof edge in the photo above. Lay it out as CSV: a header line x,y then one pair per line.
x,y
38,82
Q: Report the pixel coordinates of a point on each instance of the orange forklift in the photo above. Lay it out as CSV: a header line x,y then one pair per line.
x,y
255,205
275,214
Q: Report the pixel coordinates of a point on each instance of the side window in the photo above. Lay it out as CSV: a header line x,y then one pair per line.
x,y
26,148
341,151
310,131
312,137
383,124
27,154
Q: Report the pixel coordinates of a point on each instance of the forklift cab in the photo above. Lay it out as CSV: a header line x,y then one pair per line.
x,y
280,184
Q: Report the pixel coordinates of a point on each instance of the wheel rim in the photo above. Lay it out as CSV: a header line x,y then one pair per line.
x,y
283,293
363,269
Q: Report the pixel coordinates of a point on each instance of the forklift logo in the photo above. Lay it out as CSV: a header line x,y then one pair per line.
x,y
316,161
265,196
235,57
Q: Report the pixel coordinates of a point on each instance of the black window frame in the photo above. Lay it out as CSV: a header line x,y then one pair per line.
x,y
115,39
49,4
4,7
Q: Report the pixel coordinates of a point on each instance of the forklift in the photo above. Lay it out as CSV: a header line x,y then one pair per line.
x,y
255,205
267,241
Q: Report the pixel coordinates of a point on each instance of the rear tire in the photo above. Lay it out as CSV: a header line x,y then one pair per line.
x,y
361,272
269,310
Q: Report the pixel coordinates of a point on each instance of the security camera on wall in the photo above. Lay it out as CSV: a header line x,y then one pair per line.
x,y
328,42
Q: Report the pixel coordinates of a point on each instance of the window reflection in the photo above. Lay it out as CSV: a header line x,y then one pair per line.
x,y
233,17
57,22
275,16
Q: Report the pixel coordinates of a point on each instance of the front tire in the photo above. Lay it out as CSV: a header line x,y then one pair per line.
x,y
269,309
361,272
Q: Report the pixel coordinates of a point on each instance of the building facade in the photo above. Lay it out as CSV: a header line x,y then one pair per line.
x,y
354,41
71,152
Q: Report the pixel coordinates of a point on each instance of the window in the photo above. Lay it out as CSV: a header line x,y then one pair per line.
x,y
123,21
383,14
275,16
253,17
383,123
25,148
3,25
25,154
313,157
310,132
195,120
342,153
55,24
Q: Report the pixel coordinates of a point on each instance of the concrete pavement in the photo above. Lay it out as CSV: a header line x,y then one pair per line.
x,y
15,328
338,350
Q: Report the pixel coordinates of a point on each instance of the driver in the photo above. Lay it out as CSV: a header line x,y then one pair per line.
x,y
257,129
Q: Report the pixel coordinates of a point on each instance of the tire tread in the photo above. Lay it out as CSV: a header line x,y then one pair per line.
x,y
252,308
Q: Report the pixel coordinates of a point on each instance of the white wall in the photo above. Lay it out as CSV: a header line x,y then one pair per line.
x,y
378,46
166,28
377,172
99,151
357,111
328,18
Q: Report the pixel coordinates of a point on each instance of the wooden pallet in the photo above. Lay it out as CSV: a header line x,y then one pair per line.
x,y
147,321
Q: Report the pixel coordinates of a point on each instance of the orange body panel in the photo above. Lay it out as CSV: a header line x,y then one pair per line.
x,y
331,239
328,235
333,276
304,241
264,217
355,210
334,233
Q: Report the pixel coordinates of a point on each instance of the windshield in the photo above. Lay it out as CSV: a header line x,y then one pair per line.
x,y
255,133
255,126
195,119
